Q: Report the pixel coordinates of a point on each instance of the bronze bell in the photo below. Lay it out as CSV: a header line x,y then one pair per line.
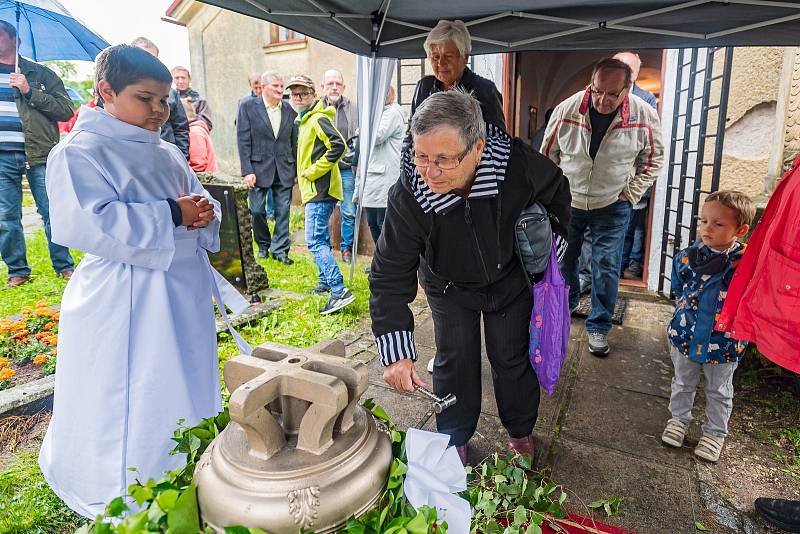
x,y
300,453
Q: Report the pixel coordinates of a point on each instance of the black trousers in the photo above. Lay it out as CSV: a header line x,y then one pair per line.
x,y
457,367
278,243
375,217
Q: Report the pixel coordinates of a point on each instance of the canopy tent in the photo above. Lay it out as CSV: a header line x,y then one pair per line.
x,y
397,28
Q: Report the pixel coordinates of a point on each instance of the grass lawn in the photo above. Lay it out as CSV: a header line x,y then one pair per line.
x,y
27,505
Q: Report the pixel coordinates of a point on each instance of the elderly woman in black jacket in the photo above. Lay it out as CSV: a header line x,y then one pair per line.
x,y
447,47
450,220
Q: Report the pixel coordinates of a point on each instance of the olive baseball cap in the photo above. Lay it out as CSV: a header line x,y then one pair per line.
x,y
300,79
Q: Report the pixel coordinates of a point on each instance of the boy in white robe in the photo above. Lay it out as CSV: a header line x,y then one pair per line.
x,y
137,343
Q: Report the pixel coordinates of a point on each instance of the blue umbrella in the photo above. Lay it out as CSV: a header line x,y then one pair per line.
x,y
47,31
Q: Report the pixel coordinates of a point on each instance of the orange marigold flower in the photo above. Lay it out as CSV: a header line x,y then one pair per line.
x,y
40,359
26,310
42,312
4,363
41,304
56,316
7,374
50,326
21,335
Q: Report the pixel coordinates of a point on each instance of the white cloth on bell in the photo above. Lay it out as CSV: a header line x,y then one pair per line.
x,y
137,344
435,474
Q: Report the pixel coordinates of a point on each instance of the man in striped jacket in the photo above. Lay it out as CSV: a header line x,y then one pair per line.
x,y
608,143
32,101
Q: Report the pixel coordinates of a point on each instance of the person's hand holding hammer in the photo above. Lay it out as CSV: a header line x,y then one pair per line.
x,y
402,376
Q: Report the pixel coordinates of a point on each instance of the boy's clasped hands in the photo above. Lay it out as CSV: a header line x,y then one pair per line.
x,y
196,211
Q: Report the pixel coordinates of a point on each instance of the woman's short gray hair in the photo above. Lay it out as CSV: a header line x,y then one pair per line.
x,y
450,30
456,109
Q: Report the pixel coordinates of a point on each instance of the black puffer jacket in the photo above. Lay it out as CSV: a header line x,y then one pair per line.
x,y
463,252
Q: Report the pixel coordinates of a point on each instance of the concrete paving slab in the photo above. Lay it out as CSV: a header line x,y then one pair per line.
x,y
621,420
657,497
423,332
639,361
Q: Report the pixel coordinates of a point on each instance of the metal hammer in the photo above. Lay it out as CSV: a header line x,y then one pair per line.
x,y
439,404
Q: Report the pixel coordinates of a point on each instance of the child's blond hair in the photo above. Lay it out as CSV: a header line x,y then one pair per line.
x,y
737,201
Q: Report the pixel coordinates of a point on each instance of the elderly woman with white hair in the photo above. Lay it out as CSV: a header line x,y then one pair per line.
x,y
448,46
450,225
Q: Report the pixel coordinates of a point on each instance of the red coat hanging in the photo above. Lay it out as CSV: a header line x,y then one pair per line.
x,y
763,301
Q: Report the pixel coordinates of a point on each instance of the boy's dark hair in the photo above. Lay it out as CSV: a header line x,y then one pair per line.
x,y
611,63
9,28
737,201
123,65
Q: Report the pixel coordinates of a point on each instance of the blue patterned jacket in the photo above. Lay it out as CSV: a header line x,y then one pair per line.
x,y
698,302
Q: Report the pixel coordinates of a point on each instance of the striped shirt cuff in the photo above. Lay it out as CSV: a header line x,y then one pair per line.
x,y
396,346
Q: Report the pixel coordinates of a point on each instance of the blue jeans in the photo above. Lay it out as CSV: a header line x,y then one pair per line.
x,y
348,209
607,226
12,238
634,238
318,236
270,204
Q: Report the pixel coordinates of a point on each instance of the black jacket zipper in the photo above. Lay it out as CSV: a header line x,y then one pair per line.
x,y
468,219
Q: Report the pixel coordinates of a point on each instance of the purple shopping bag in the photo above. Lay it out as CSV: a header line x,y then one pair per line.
x,y
550,322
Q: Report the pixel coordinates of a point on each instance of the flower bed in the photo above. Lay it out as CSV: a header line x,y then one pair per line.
x,y
28,345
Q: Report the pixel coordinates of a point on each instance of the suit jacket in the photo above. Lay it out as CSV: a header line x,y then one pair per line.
x,y
260,153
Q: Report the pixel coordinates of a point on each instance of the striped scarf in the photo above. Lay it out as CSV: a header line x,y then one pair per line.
x,y
490,172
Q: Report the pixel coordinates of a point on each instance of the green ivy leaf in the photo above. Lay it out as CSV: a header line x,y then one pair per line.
x,y
116,508
700,526
520,515
184,515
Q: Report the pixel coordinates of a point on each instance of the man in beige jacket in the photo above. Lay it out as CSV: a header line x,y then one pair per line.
x,y
608,143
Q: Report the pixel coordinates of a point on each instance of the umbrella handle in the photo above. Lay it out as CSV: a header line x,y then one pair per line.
x,y
16,43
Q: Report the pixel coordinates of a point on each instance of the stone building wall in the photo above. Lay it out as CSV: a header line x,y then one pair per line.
x,y
225,47
752,118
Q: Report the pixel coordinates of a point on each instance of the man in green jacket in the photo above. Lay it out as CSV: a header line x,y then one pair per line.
x,y
320,146
32,100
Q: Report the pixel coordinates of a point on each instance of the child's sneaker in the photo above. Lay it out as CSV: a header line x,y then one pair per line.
x,y
709,448
674,433
337,302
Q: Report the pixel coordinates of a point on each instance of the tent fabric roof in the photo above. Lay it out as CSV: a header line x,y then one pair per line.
x,y
400,26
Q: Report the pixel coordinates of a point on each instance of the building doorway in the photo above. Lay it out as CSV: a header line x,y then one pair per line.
x,y
544,79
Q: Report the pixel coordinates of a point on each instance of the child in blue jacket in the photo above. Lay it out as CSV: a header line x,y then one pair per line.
x,y
700,277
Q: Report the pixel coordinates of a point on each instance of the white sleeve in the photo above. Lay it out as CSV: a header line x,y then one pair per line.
x,y
209,236
87,214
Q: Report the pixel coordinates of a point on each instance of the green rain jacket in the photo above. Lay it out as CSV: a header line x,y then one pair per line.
x,y
320,146
39,111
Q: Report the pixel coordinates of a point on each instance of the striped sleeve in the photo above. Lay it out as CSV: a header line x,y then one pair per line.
x,y
396,346
561,246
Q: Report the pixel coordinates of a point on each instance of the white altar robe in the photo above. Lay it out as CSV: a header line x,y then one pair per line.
x,y
137,344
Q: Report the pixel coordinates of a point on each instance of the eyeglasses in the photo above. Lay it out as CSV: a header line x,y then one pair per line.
x,y
302,95
444,163
600,94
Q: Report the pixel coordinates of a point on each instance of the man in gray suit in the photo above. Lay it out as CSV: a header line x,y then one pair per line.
x,y
266,138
